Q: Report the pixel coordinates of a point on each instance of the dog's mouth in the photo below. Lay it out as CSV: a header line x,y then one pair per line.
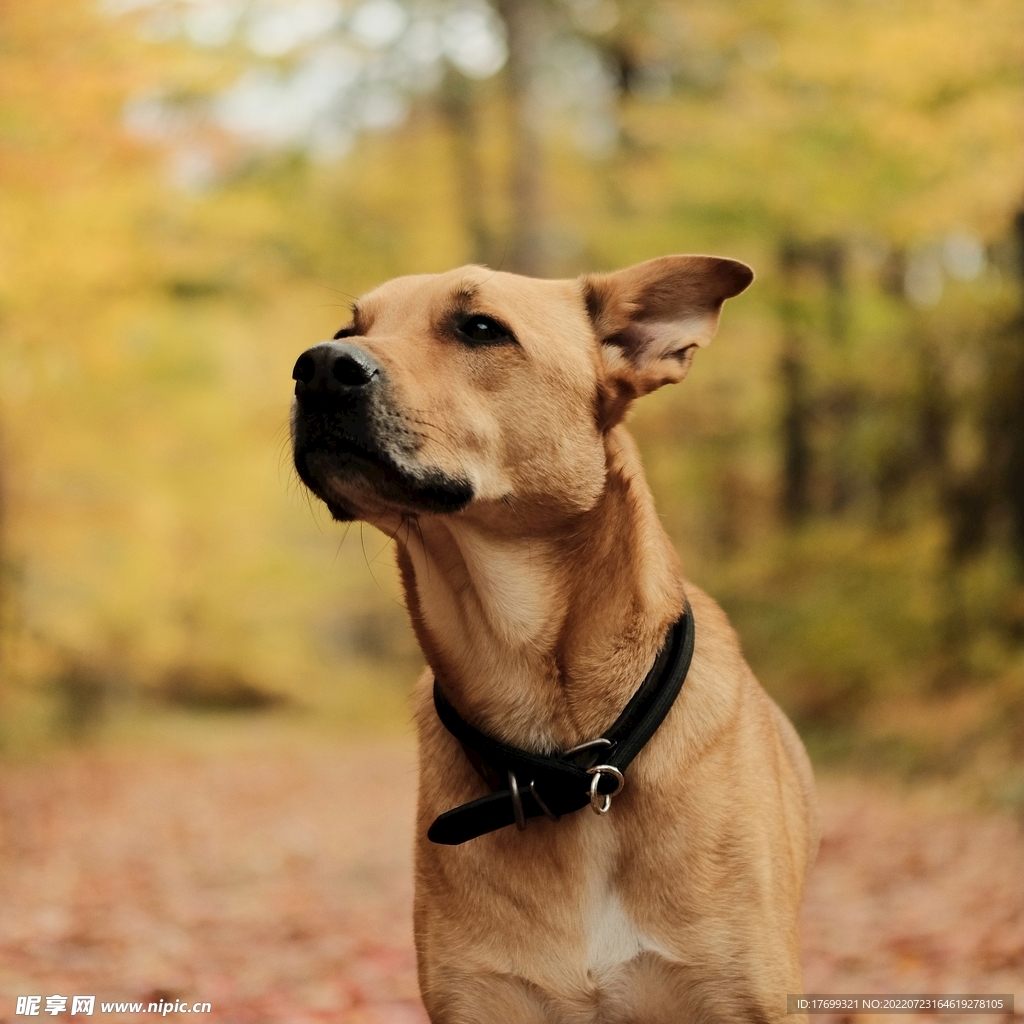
x,y
355,479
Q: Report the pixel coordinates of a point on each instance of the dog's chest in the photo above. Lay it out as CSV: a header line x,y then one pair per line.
x,y
613,936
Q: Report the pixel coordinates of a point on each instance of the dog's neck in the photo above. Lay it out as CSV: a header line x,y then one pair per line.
x,y
540,636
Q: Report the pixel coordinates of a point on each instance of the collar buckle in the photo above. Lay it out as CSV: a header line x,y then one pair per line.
x,y
517,801
601,741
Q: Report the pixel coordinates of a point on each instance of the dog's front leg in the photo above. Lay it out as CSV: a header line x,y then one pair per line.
x,y
477,999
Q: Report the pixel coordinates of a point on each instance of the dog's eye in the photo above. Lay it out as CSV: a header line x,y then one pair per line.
x,y
345,332
482,330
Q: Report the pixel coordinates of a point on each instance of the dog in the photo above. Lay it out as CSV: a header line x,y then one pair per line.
x,y
477,418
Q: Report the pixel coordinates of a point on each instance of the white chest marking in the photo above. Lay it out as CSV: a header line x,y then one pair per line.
x,y
613,938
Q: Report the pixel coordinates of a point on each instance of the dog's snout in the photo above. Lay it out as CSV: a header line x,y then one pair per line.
x,y
333,368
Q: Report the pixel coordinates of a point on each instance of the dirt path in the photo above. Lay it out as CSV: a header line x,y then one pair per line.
x,y
276,885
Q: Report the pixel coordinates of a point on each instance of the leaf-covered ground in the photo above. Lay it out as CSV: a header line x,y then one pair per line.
x,y
275,884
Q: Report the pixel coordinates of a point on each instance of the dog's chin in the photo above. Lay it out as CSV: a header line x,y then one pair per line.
x,y
356,485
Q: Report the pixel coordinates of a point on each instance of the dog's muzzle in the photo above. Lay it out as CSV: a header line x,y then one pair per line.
x,y
352,445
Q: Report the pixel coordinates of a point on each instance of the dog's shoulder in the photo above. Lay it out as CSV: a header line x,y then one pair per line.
x,y
727,697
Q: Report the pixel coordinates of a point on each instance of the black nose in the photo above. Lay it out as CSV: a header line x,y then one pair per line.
x,y
333,368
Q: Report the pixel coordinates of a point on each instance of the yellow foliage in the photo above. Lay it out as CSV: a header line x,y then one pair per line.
x,y
147,334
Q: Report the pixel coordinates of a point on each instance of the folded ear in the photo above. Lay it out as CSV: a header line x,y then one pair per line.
x,y
650,318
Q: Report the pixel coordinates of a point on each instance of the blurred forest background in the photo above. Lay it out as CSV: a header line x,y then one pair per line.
x,y
191,191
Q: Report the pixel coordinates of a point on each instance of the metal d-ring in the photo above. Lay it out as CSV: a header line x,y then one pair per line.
x,y
517,803
597,771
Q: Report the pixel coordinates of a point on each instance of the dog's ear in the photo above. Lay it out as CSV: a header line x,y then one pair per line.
x,y
650,318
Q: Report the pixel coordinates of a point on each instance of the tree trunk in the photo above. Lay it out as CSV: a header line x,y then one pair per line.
x,y
796,457
524,22
5,588
459,108
1014,477
831,258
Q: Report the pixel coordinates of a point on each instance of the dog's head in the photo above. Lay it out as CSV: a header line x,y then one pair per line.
x,y
450,392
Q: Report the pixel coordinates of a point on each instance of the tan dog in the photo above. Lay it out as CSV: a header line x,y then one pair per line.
x,y
476,417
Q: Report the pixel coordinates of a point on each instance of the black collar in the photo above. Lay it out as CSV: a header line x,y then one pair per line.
x,y
529,785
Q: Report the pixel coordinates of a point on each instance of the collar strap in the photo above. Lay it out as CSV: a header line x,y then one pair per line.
x,y
534,784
